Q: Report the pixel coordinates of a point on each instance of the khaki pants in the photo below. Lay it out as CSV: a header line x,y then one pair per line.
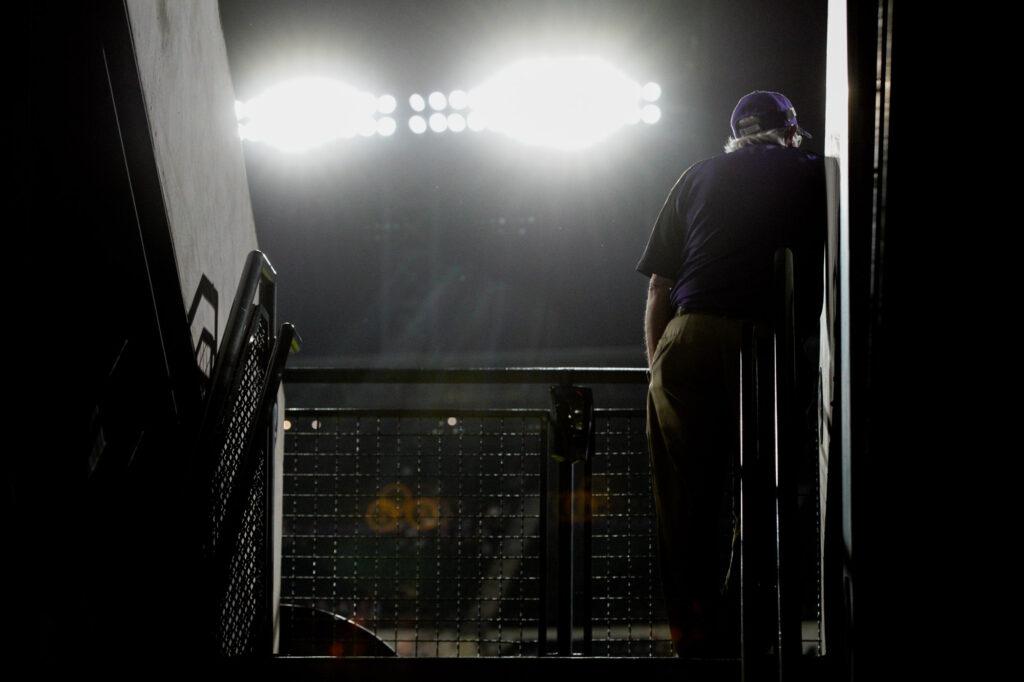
x,y
693,435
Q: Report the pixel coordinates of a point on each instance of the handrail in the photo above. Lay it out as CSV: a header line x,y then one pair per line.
x,y
237,484
769,465
468,375
258,275
787,463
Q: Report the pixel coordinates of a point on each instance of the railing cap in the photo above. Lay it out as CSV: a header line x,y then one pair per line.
x,y
467,375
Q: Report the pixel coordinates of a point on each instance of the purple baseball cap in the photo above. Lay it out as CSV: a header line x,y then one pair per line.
x,y
762,110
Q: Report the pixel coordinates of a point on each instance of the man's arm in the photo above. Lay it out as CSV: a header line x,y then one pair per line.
x,y
658,312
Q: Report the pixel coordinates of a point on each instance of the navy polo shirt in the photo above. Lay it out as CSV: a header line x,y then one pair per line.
x,y
718,231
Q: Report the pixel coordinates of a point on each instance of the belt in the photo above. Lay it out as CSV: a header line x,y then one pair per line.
x,y
690,311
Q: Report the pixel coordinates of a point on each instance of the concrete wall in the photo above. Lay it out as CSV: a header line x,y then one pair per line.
x,y
190,99
837,142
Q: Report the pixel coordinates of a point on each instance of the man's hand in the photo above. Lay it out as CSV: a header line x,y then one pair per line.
x,y
658,312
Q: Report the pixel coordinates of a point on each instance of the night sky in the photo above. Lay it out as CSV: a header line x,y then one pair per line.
x,y
473,249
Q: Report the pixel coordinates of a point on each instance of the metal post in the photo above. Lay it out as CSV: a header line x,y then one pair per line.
x,y
563,561
573,417
787,471
758,565
748,447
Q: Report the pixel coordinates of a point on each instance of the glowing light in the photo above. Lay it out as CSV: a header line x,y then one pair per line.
x,y
438,101
458,100
386,104
565,103
651,92
287,425
386,127
456,123
315,424
452,421
476,121
417,102
424,514
383,515
418,125
368,128
303,113
651,113
438,122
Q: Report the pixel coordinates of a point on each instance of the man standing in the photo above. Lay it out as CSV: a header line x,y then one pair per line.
x,y
710,260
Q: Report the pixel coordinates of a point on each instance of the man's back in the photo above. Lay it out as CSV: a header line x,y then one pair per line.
x,y
726,217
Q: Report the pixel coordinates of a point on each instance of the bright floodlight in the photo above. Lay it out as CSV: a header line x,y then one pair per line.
x,y
438,101
386,126
306,112
368,128
476,121
438,122
458,99
456,123
386,104
418,125
417,102
651,113
566,103
651,92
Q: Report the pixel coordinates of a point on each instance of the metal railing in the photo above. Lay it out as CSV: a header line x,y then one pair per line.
x,y
774,558
234,478
454,532
531,532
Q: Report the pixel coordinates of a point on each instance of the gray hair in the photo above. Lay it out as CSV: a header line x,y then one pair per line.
x,y
773,136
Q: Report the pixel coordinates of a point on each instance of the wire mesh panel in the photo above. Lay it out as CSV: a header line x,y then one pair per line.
x,y
237,541
628,612
237,422
239,609
419,530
